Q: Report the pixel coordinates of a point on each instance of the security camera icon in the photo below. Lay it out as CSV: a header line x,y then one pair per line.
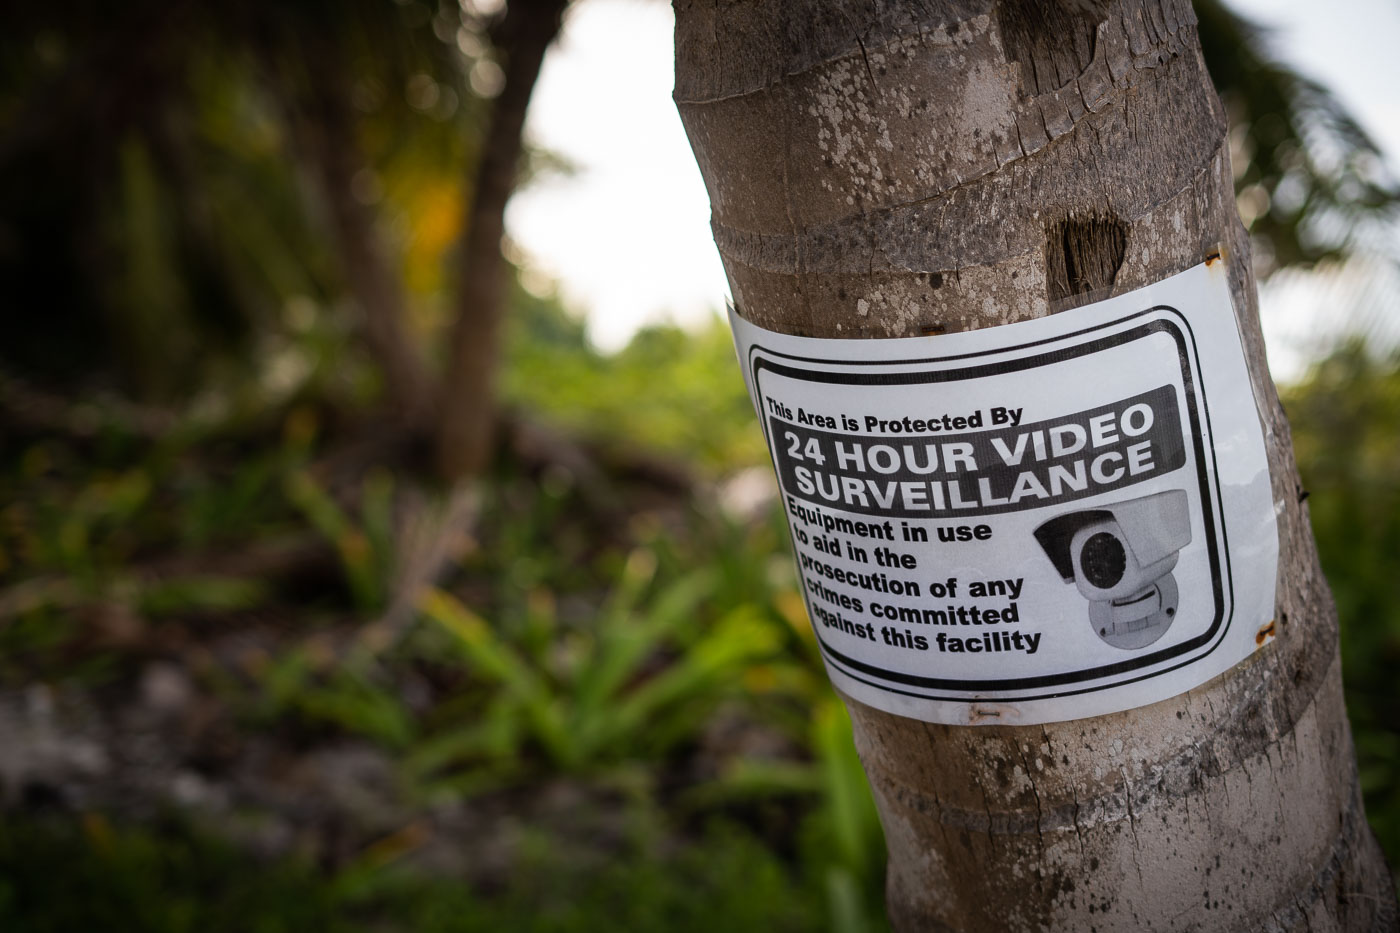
x,y
1121,557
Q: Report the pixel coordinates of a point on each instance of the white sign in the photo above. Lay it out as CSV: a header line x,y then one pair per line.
x,y
1037,522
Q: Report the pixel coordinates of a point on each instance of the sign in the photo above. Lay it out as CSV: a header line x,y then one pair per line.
x,y
1030,523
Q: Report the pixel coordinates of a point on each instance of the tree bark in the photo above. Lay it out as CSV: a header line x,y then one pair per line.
x,y
467,408
901,169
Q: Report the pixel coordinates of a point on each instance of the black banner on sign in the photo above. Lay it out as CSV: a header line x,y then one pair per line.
x,y
984,472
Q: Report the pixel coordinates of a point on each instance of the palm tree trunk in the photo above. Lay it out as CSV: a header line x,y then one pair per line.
x,y
904,169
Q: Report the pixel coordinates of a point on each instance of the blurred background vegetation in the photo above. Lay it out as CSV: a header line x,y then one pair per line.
x,y
274,656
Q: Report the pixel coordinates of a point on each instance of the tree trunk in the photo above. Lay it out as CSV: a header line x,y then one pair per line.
x,y
467,408
325,129
902,169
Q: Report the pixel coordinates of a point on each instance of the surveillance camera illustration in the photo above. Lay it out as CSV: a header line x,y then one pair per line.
x,y
1121,557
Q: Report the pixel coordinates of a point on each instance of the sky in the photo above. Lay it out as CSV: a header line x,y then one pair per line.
x,y
627,235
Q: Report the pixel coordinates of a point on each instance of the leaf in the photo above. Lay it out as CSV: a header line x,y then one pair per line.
x,y
205,592
625,642
850,807
364,574
497,660
667,704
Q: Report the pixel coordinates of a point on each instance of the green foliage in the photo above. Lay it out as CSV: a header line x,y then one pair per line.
x,y
365,546
674,391
1344,418
587,662
346,696
54,879
198,216
855,873
77,527
1311,182
597,696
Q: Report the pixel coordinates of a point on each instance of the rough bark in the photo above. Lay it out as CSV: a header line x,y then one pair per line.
x,y
467,407
901,169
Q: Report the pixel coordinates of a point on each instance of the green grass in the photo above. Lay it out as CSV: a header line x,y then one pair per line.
x,y
68,877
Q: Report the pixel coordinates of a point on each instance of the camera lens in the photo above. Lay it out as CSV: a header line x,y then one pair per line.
x,y
1103,560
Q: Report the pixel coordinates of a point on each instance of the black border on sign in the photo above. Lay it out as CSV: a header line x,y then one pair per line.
x,y
1213,508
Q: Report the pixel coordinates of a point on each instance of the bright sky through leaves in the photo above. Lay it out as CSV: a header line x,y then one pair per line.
x,y
628,236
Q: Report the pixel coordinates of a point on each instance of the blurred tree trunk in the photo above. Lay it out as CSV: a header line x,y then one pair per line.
x,y
896,169
324,124
466,409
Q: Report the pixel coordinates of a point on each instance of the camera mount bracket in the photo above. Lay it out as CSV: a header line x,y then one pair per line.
x,y
1139,620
